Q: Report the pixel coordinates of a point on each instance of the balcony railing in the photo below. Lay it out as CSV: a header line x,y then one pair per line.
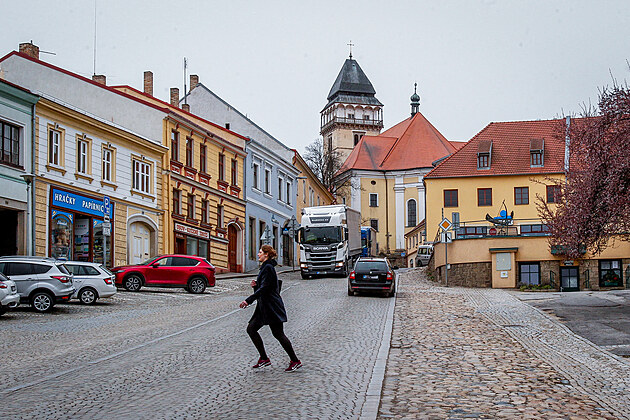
x,y
484,229
356,121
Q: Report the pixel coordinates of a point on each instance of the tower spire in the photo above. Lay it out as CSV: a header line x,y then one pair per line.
x,y
415,100
350,45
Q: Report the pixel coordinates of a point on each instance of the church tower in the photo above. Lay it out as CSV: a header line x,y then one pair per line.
x,y
352,110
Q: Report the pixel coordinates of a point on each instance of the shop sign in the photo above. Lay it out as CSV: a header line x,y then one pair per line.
x,y
189,230
76,202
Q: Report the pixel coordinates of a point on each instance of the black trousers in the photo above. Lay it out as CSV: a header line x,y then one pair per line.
x,y
277,330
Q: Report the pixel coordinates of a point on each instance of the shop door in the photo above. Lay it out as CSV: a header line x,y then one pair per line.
x,y
569,279
287,255
139,242
8,239
180,246
232,248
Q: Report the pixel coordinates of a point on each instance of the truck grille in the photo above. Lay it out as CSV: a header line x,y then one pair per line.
x,y
322,259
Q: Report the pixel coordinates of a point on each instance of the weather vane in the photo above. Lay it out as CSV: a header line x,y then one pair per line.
x,y
351,45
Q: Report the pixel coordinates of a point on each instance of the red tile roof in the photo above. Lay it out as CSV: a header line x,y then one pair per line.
x,y
511,143
412,143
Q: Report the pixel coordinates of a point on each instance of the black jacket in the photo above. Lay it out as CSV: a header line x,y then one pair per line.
x,y
270,308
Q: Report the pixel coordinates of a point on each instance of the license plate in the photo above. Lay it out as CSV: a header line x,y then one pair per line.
x,y
373,277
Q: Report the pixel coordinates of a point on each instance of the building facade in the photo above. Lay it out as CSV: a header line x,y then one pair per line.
x,y
489,190
92,143
383,181
17,116
270,177
310,191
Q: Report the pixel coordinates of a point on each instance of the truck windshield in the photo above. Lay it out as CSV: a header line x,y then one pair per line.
x,y
322,235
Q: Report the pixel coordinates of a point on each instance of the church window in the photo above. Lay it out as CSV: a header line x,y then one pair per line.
x,y
373,200
374,224
351,116
366,117
411,213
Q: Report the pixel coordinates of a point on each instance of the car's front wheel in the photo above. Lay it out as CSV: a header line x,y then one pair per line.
x,y
42,302
196,285
88,296
133,283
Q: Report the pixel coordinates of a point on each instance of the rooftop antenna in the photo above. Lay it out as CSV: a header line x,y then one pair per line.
x,y
351,45
94,37
185,65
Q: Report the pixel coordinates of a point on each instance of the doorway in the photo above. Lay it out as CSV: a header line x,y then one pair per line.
x,y
8,240
569,279
232,238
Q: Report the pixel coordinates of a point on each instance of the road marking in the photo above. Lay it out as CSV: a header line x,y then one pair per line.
x,y
120,353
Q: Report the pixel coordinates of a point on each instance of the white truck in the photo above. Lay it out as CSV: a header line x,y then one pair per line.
x,y
330,240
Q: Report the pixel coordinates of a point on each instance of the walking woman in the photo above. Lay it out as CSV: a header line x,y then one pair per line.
x,y
269,309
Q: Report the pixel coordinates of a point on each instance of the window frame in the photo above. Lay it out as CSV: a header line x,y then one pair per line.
x,y
373,203
288,184
203,158
552,191
280,187
190,154
485,200
483,160
537,159
221,167
234,172
140,177
204,212
449,203
12,143
60,151
521,196
191,205
175,145
374,224
267,181
106,148
415,215
256,176
83,160
177,201
220,216
619,273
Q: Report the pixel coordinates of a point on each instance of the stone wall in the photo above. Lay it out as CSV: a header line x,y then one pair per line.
x,y
463,275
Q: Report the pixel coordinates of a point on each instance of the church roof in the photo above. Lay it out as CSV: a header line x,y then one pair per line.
x,y
410,144
351,81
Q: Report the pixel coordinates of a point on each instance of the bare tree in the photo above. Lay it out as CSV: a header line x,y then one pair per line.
x,y
594,200
324,163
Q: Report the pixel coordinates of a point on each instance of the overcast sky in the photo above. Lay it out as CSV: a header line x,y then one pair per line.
x,y
474,61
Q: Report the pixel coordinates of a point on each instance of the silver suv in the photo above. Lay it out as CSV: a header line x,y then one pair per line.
x,y
9,297
40,281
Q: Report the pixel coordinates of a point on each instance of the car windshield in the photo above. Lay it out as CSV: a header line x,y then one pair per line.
x,y
147,262
322,235
371,266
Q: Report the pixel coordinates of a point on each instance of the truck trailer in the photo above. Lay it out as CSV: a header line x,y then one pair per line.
x,y
368,241
329,239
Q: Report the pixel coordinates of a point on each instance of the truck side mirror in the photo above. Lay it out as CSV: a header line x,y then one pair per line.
x,y
299,234
345,231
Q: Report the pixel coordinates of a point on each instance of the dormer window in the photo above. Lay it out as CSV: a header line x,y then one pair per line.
x,y
484,151
537,152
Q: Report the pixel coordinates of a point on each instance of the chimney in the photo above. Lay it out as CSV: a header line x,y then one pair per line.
x,y
194,81
186,107
100,78
148,82
30,49
175,97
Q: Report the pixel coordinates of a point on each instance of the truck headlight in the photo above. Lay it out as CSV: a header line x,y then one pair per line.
x,y
339,264
303,265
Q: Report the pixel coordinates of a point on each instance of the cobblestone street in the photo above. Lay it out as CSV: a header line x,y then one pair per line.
x,y
164,354
481,353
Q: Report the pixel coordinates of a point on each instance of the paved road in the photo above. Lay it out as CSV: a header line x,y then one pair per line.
x,y
600,317
168,354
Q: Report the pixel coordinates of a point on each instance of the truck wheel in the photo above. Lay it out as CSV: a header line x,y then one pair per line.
x,y
304,276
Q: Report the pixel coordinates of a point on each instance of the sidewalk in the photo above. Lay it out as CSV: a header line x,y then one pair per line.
x,y
482,353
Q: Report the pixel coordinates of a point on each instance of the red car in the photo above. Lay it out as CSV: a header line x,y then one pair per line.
x,y
188,271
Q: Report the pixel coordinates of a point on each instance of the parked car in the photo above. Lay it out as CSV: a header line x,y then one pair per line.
x,y
41,282
192,273
9,296
424,255
91,281
374,275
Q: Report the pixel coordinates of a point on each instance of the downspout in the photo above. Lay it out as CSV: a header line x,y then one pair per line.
x,y
567,144
387,235
32,204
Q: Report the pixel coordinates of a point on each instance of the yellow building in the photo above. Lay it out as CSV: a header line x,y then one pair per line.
x,y
80,161
311,192
382,178
489,191
203,179
413,238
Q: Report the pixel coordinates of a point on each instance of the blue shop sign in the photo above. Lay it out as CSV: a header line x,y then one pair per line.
x,y
76,202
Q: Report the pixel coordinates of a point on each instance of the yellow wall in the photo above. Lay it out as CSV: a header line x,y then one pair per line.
x,y
469,211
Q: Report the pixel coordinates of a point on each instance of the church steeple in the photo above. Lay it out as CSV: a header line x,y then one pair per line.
x,y
352,110
415,100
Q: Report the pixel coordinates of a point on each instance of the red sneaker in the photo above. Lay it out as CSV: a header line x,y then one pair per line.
x,y
262,363
293,366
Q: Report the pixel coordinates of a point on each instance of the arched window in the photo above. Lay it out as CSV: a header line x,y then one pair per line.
x,y
411,213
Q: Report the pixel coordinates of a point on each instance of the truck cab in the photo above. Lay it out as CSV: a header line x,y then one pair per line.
x,y
329,240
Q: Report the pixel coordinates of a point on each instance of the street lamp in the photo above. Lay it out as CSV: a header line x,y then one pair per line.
x,y
30,210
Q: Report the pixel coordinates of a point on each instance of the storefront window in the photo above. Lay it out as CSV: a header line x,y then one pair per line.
x,y
60,235
191,245
610,273
203,249
81,239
